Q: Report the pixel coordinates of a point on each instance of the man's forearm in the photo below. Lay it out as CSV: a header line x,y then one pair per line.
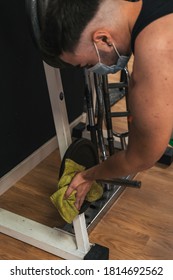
x,y
115,166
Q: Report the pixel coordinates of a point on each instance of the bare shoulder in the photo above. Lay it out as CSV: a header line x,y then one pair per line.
x,y
156,39
151,91
154,50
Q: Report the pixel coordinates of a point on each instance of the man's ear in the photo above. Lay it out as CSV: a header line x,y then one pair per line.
x,y
102,37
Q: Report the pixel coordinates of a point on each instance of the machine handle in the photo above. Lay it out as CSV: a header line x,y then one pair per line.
x,y
121,181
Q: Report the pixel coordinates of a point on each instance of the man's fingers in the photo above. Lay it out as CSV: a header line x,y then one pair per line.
x,y
79,200
72,187
80,197
79,203
68,192
81,190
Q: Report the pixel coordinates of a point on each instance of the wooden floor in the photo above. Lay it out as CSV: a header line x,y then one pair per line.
x,y
138,226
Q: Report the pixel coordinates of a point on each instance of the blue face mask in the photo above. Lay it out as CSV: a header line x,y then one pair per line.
x,y
104,69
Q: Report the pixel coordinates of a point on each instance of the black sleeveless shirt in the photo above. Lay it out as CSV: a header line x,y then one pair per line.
x,y
150,11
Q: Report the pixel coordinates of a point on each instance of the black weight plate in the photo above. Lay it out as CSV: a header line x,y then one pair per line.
x,y
83,152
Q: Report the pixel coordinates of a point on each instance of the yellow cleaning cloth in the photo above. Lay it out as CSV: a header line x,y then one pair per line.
x,y
66,207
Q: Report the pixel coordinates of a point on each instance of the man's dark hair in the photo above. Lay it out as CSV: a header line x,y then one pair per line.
x,y
64,22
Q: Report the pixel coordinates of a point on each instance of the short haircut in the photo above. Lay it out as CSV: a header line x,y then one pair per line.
x,y
64,22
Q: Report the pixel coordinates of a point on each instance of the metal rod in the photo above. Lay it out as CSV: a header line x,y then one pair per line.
x,y
100,115
108,119
121,181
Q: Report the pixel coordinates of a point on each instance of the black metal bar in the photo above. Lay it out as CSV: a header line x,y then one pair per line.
x,y
90,109
119,114
110,136
121,182
100,115
119,85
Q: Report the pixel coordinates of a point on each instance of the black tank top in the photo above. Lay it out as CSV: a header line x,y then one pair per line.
x,y
150,11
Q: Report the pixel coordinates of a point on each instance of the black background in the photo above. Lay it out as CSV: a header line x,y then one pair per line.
x,y
26,120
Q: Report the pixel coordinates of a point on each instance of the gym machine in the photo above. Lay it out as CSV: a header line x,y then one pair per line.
x,y
71,241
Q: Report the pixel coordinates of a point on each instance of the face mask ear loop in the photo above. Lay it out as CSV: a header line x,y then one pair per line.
x,y
117,52
97,52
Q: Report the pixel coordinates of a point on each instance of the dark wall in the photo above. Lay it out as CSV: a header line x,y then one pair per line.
x,y
26,120
73,81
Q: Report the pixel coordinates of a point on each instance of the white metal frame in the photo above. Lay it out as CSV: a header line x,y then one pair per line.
x,y
52,240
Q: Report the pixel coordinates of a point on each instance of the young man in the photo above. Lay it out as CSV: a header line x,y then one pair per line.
x,y
100,33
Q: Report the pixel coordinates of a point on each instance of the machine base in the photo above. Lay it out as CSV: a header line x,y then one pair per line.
x,y
97,252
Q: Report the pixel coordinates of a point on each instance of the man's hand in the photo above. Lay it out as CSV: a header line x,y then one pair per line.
x,y
81,186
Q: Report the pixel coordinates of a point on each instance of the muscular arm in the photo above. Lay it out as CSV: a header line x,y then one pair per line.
x,y
151,106
150,103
